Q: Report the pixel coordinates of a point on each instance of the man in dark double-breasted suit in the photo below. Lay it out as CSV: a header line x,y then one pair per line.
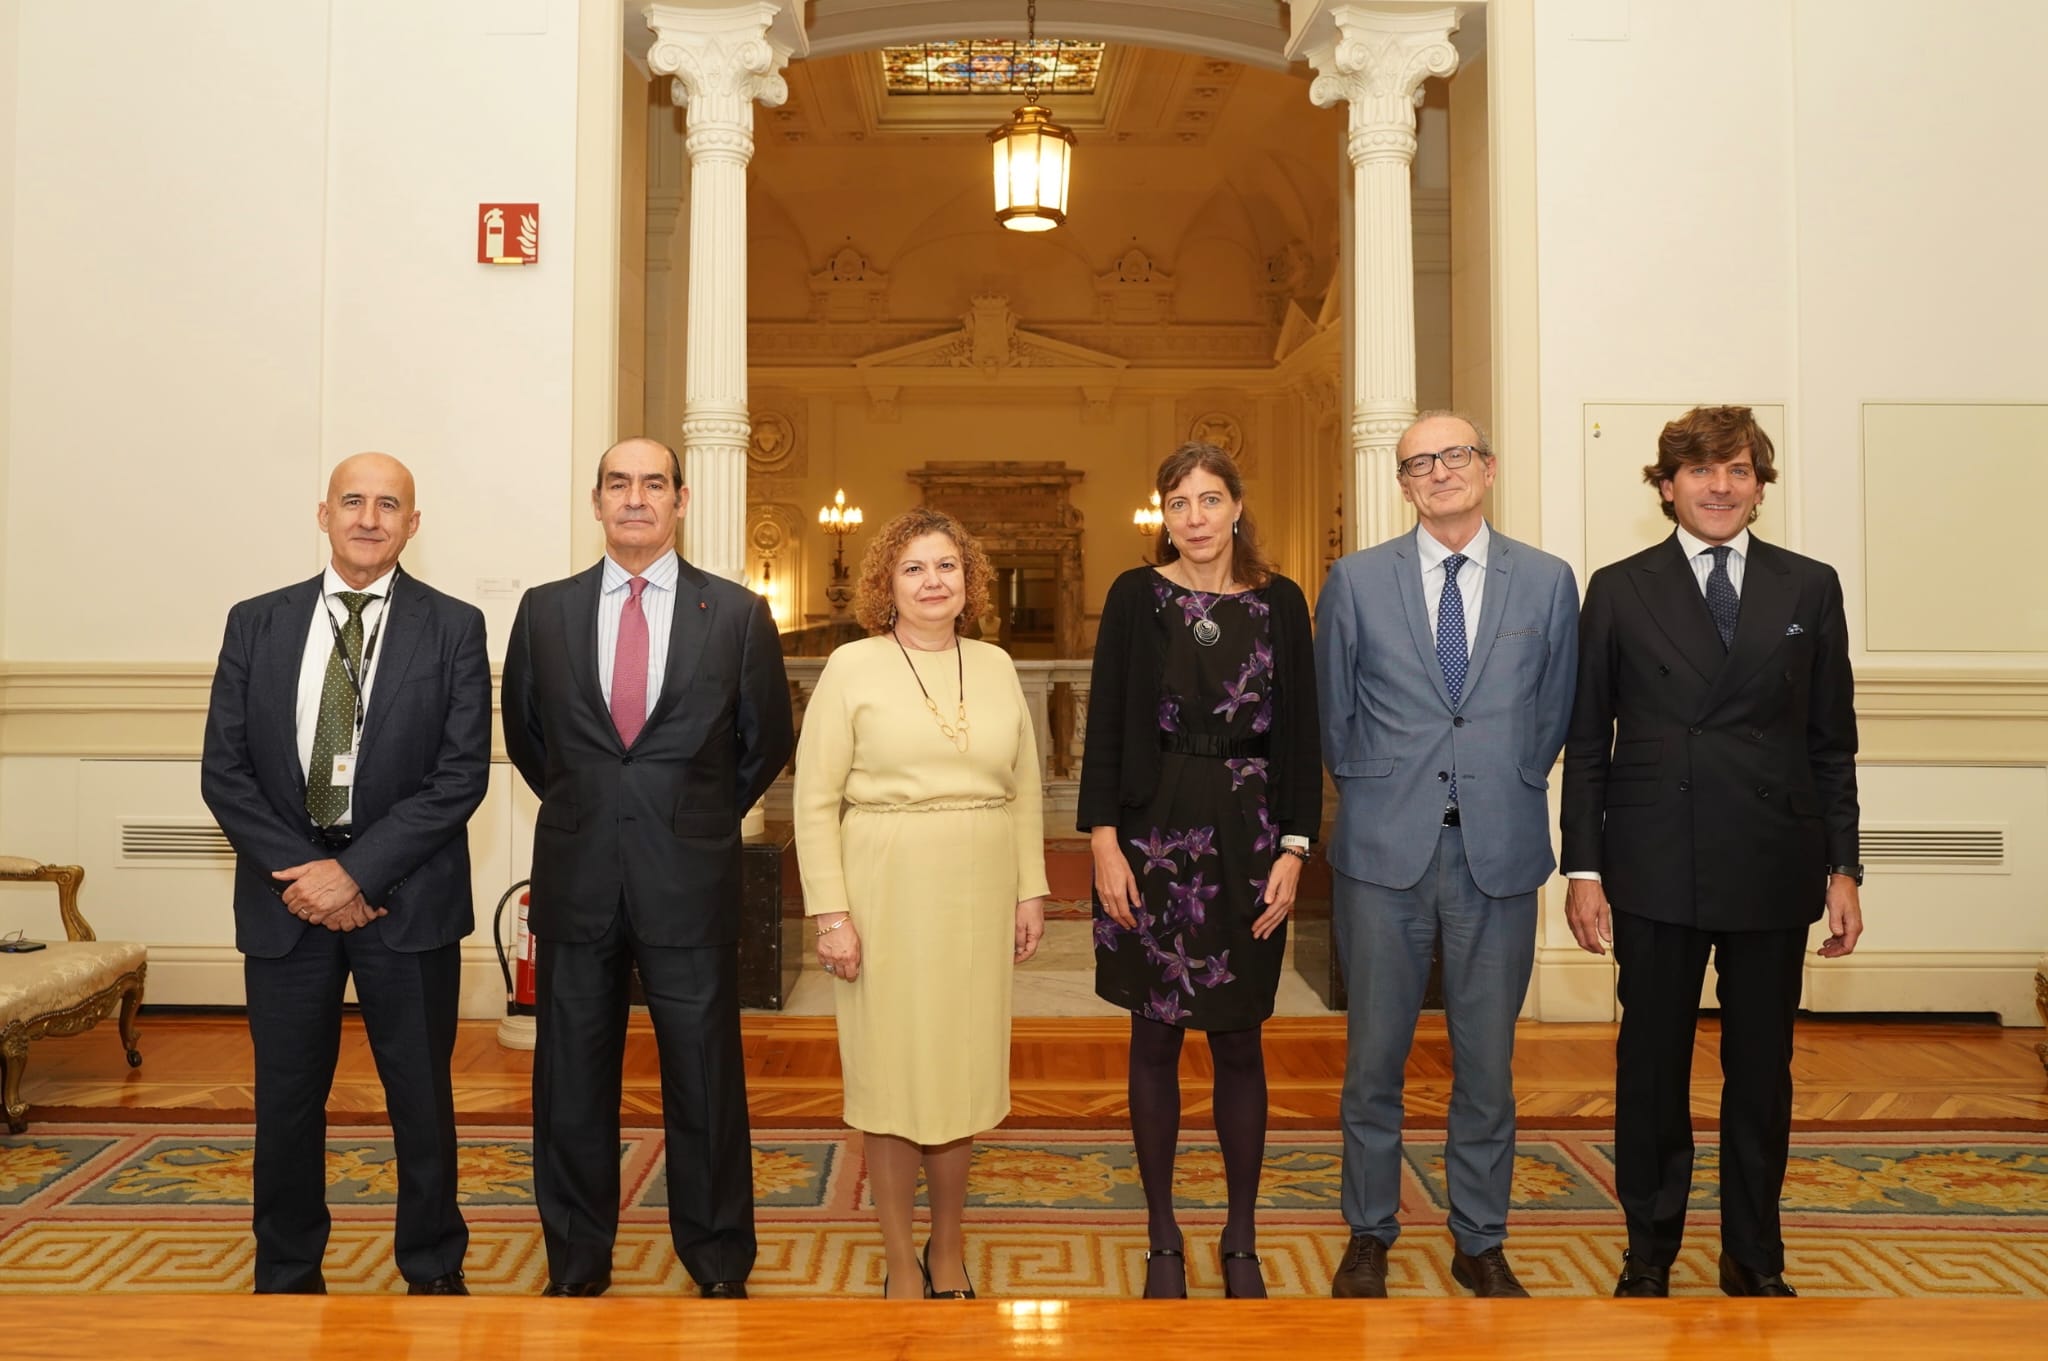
x,y
348,741
1710,807
646,704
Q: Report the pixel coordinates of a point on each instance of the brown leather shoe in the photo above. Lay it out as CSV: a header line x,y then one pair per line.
x,y
1362,1275
1640,1280
1737,1279
1487,1275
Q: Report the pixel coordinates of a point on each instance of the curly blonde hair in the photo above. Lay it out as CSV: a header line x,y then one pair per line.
x,y
874,592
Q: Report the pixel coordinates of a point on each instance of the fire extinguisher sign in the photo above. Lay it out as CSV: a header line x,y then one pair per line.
x,y
508,233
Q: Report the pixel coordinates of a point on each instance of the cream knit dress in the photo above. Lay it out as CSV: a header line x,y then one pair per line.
x,y
930,849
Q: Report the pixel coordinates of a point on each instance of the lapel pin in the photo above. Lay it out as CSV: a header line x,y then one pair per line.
x,y
702,606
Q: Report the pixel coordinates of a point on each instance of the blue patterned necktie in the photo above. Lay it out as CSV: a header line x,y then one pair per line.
x,y
1722,602
1450,642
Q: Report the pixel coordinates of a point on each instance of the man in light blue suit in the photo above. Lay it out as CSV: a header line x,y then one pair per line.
x,y
1446,659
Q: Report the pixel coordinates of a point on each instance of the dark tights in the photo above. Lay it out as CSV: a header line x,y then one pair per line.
x,y
1239,1103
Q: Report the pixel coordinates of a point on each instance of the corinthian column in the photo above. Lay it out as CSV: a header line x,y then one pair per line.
x,y
722,60
1376,60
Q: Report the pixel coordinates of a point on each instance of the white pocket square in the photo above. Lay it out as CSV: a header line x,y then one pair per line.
x,y
1793,631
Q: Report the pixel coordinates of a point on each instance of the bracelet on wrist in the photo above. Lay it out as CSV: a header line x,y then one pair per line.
x,y
828,930
1301,853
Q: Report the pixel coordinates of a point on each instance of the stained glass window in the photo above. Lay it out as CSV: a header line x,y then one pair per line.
x,y
995,66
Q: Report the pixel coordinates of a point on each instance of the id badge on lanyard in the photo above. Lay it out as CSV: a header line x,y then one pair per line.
x,y
343,774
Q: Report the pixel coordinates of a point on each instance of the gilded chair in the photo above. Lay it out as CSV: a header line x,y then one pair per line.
x,y
69,987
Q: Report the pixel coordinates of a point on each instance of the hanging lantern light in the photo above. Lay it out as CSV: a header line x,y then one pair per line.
x,y
1034,157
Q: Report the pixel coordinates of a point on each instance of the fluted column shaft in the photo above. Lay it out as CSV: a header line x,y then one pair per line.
x,y
722,60
1377,61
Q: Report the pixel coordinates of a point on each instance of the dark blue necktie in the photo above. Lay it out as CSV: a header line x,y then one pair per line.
x,y
1722,602
1450,642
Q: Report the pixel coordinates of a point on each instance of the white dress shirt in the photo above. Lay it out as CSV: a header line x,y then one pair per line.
x,y
1699,555
657,602
320,647
1471,579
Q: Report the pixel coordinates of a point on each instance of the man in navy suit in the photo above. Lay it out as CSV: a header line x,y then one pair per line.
x,y
645,703
1444,660
348,741
1710,808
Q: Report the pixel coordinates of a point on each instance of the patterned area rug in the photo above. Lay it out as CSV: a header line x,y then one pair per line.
x,y
127,1208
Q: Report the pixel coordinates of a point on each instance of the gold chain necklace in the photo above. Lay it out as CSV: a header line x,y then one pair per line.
x,y
955,732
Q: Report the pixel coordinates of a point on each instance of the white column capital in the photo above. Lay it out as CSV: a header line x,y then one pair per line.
x,y
1376,60
723,60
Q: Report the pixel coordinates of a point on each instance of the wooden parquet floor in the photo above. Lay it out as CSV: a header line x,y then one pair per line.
x,y
1069,1073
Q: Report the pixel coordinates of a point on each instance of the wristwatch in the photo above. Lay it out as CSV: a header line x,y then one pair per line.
x,y
1853,871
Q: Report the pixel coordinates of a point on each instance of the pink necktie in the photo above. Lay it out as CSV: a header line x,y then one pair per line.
x,y
629,667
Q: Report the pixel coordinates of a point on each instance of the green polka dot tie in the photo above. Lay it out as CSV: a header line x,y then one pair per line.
x,y
335,730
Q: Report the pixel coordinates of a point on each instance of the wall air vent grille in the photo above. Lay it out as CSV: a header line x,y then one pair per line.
x,y
1961,847
174,841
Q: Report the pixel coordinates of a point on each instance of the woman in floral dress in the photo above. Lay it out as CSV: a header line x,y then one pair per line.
x,y
1201,789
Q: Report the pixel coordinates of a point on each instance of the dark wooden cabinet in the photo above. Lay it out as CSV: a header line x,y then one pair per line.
x,y
773,943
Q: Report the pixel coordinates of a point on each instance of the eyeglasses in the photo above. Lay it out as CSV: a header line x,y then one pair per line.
x,y
1418,465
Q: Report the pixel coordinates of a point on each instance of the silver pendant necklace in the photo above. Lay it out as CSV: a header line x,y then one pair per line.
x,y
1206,630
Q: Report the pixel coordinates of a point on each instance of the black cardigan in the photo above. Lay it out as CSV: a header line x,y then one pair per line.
x,y
1120,765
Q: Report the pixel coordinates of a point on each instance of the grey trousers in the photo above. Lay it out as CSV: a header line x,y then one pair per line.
x,y
1384,939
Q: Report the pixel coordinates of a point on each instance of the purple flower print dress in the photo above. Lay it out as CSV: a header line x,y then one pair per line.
x,y
1202,848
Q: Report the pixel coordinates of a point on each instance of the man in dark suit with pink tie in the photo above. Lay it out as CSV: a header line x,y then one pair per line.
x,y
645,703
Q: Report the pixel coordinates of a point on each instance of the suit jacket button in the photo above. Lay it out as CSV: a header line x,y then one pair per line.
x,y
1663,670
1694,731
1685,786
1756,734
1443,774
626,761
1458,722
1762,792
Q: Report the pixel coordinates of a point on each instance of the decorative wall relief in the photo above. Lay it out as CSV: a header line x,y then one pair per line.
x,y
849,288
1223,430
774,449
775,558
1135,290
1288,274
990,339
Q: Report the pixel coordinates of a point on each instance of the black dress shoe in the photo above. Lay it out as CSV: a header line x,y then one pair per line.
x,y
1258,1281
924,1264
578,1289
1640,1280
723,1290
1737,1279
1172,1281
451,1284
316,1286
1487,1274
1362,1275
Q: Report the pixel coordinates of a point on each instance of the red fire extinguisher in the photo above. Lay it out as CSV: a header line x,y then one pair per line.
x,y
519,966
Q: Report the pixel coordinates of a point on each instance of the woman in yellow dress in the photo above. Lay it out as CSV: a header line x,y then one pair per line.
x,y
919,835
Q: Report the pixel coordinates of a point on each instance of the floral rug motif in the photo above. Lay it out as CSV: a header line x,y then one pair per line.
x,y
1051,1213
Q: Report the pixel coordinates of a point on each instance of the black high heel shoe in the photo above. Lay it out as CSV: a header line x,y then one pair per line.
x,y
1172,1256
1253,1258
924,1264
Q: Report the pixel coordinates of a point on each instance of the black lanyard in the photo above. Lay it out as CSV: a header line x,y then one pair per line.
x,y
357,677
